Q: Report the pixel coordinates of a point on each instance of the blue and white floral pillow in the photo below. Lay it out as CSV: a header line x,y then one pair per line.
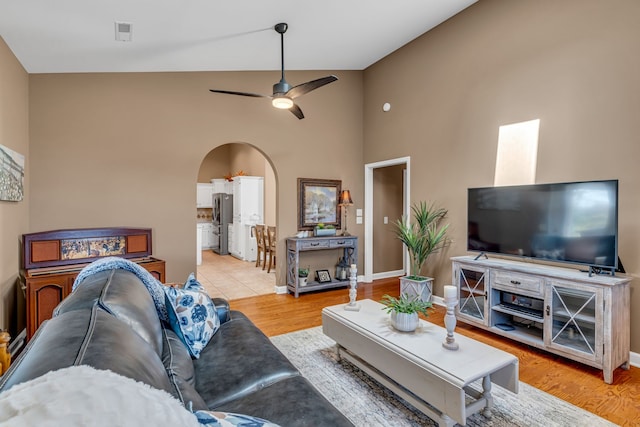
x,y
192,315
227,419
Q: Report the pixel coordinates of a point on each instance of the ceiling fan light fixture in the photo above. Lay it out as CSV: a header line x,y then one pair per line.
x,y
282,102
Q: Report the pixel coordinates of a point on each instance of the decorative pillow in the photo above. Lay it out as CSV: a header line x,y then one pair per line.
x,y
80,396
228,419
192,315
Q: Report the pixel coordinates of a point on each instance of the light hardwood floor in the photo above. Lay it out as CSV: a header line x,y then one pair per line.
x,y
578,384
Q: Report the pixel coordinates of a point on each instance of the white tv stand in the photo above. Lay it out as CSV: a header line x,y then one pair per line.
x,y
560,310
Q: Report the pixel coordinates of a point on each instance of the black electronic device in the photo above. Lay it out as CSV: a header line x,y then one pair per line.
x,y
505,326
574,222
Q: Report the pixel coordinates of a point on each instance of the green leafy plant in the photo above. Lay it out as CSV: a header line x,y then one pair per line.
x,y
320,225
424,236
405,304
303,272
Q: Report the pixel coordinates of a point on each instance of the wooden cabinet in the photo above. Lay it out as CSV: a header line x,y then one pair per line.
x,y
347,245
560,310
51,260
46,289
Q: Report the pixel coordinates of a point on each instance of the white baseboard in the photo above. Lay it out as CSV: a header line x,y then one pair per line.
x,y
387,274
280,289
634,358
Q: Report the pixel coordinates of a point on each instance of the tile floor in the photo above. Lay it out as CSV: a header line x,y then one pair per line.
x,y
230,278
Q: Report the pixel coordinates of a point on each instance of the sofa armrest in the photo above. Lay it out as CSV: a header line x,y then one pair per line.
x,y
222,308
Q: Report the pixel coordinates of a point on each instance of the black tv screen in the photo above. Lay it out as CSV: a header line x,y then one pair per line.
x,y
573,222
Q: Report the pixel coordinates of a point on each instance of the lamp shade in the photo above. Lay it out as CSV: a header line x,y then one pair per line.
x,y
345,198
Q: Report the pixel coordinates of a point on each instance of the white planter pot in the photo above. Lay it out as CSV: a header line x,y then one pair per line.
x,y
404,322
302,281
420,288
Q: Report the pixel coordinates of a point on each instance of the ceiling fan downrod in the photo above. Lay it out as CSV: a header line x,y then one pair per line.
x,y
282,86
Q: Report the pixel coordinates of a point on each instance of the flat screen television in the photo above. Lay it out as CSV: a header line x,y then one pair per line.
x,y
575,222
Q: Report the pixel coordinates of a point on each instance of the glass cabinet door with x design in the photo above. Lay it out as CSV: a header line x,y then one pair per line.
x,y
472,284
575,312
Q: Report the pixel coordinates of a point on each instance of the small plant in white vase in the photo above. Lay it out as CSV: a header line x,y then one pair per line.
x,y
303,273
404,311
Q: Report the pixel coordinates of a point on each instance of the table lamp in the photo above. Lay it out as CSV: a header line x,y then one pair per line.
x,y
345,200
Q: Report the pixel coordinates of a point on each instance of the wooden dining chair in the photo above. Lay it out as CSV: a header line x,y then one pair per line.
x,y
262,245
271,245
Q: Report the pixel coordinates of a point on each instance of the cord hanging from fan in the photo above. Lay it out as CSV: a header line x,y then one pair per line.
x,y
283,94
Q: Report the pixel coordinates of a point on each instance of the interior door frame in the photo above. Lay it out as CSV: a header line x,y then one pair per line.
x,y
368,208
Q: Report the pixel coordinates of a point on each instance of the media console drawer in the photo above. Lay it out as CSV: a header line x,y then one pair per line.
x,y
519,283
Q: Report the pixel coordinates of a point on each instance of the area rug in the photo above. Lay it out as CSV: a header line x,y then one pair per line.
x,y
367,403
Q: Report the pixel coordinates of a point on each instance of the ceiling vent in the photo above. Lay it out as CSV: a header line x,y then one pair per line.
x,y
124,31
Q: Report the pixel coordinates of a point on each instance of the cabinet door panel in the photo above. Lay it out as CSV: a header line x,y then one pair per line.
x,y
574,320
472,285
43,295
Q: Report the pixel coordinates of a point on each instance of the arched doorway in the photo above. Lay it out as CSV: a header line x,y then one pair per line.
x,y
226,275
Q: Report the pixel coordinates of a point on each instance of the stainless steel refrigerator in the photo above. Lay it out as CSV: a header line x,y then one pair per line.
x,y
222,216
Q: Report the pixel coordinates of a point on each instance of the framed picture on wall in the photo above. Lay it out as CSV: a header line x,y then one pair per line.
x,y
318,202
11,175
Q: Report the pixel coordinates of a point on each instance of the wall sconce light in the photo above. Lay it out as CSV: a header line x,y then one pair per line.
x,y
345,200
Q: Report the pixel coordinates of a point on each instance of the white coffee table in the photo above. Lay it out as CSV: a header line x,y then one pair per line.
x,y
415,366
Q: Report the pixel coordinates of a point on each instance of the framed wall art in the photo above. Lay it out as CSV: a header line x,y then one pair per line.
x,y
318,202
323,276
11,175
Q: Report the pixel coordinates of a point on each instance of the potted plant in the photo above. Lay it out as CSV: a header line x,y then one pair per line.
x,y
303,273
404,311
324,230
422,237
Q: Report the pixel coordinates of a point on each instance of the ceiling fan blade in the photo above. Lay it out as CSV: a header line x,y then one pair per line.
x,y
231,92
307,87
297,111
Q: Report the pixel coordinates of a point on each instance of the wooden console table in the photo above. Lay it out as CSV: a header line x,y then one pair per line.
x,y
349,245
53,259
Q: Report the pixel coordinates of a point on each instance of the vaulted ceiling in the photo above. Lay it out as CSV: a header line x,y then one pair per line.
x,y
66,36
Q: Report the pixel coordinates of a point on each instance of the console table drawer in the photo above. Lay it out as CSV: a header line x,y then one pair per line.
x,y
313,244
342,243
518,283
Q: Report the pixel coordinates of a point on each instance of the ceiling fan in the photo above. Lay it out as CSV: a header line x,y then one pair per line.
x,y
283,94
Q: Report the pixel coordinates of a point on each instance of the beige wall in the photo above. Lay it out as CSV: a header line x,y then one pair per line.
x,y
387,201
215,164
572,64
126,149
14,216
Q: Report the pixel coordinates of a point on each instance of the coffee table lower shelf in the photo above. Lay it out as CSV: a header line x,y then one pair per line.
x,y
481,401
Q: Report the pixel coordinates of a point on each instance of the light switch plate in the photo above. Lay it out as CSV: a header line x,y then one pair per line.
x,y
358,220
358,212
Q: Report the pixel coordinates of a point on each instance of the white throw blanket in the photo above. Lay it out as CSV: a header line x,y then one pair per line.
x,y
83,396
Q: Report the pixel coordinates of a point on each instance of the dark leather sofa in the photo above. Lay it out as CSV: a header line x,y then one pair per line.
x,y
110,322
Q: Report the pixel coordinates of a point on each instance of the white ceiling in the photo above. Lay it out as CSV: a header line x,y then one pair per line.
x,y
65,36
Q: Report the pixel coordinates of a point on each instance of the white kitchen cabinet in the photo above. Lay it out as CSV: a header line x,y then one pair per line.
x,y
248,210
221,185
204,193
199,244
207,236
